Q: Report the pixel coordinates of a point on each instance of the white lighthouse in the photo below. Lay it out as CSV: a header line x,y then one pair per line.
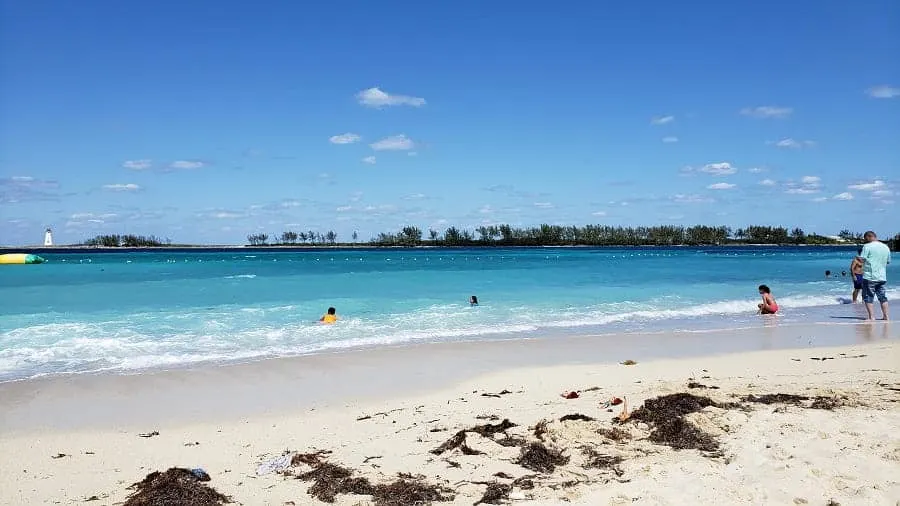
x,y
48,238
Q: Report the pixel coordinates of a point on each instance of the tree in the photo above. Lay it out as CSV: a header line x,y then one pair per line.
x,y
798,235
355,235
433,235
331,237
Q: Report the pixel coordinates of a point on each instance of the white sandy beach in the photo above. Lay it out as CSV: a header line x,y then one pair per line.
x,y
768,453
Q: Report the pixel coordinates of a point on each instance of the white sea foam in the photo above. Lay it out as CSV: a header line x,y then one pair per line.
x,y
241,276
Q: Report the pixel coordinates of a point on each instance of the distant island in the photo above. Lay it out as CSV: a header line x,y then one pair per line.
x,y
502,236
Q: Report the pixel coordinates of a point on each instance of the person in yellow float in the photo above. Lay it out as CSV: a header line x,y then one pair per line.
x,y
329,317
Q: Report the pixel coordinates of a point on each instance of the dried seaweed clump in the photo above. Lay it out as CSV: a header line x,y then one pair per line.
x,y
828,403
597,460
459,439
666,415
775,399
538,457
329,480
174,487
615,434
576,417
495,493
410,490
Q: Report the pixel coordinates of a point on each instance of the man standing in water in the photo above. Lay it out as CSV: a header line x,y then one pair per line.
x,y
875,256
856,270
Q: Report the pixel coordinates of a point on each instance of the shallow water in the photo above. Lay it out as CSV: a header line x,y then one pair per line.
x,y
87,311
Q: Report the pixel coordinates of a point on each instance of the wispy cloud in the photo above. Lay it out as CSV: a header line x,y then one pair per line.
x,y
868,185
347,138
692,199
662,120
814,180
883,91
808,185
843,196
17,189
370,160
186,165
598,213
142,164
768,182
718,169
544,205
793,143
670,139
722,186
120,187
376,98
757,170
393,143
767,111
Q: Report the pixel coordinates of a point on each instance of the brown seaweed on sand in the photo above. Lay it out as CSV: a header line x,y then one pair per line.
x,y
538,457
409,490
329,480
577,417
459,439
775,399
495,493
666,415
615,434
597,460
174,487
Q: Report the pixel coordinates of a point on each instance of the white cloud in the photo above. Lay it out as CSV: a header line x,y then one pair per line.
x,y
883,91
344,209
186,164
347,138
486,209
811,180
137,164
374,97
543,205
226,215
93,216
719,169
670,139
662,120
802,191
393,143
721,186
414,196
882,193
767,111
369,159
793,143
767,182
21,179
693,199
819,199
757,170
127,187
598,213
807,186
843,196
868,186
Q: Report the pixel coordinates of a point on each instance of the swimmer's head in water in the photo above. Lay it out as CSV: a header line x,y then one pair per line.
x,y
331,310
827,273
764,289
473,300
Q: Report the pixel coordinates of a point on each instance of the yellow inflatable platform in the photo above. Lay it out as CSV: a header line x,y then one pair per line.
x,y
20,259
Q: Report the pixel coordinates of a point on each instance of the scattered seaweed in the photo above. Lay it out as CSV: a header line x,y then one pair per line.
x,y
510,441
615,434
827,403
174,487
775,399
629,362
408,490
576,416
538,457
595,460
497,395
495,493
694,384
58,456
310,459
329,480
459,439
540,429
503,475
666,415
149,434
524,482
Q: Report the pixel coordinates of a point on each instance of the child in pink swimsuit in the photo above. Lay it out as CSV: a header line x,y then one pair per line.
x,y
768,306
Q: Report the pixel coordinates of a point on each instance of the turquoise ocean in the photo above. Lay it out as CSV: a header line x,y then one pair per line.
x,y
86,311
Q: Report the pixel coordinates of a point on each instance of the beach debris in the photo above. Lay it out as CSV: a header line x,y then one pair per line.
x,y
591,389
195,443
495,493
174,487
540,429
525,482
92,498
492,418
821,359
577,417
310,459
570,395
624,415
537,457
149,434
200,474
613,401
694,384
497,395
510,441
59,456
827,403
458,440
367,459
275,465
409,489
615,434
503,475
629,362
775,398
383,414
666,414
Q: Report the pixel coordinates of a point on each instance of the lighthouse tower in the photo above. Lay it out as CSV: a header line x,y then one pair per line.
x,y
48,238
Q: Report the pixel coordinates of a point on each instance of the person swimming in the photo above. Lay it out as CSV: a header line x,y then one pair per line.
x,y
473,301
768,306
329,317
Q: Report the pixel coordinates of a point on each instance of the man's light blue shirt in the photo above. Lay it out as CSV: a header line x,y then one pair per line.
x,y
877,255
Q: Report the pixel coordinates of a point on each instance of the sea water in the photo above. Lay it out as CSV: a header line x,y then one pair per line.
x,y
89,311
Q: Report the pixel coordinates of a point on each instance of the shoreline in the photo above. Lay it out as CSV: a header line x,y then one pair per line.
x,y
395,416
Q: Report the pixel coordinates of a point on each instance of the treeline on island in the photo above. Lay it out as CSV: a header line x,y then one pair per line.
x,y
589,235
126,241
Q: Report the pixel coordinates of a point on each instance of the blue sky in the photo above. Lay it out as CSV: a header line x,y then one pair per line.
x,y
205,121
